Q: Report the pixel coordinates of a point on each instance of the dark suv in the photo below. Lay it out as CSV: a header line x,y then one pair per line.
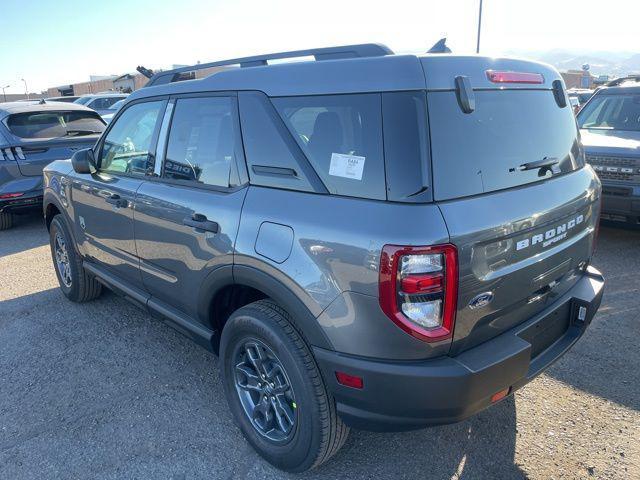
x,y
370,240
610,130
33,134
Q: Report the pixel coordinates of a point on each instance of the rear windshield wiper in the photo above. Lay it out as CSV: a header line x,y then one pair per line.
x,y
69,133
547,163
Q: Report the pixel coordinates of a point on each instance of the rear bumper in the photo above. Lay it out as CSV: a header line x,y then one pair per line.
x,y
621,200
408,395
28,201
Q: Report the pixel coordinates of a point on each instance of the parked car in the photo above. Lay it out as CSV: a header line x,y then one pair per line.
x,y
65,99
610,130
582,94
321,226
107,117
575,103
32,135
101,102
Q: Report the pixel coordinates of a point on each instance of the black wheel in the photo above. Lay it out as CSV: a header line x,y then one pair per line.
x,y
275,390
6,220
75,282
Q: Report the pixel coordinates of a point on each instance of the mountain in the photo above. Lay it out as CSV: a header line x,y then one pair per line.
x,y
600,62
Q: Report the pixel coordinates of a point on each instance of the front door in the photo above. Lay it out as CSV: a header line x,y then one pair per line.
x,y
187,219
104,201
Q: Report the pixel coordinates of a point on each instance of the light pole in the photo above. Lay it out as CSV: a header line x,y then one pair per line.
x,y
3,92
26,90
479,25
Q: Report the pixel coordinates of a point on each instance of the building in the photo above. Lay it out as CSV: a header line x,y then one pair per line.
x,y
578,79
127,83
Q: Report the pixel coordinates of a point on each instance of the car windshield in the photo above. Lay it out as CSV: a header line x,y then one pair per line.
x,y
83,100
55,124
117,105
612,112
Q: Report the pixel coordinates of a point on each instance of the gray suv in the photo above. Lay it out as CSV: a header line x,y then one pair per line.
x,y
610,128
367,240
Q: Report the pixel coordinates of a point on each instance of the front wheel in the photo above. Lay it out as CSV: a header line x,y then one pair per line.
x,y
275,390
76,284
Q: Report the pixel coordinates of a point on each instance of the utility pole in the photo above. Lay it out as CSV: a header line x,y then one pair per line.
x,y
479,25
26,90
4,93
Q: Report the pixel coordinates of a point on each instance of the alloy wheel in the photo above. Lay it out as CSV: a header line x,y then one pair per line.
x,y
265,391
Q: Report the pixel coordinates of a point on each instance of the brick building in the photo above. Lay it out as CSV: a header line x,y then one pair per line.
x,y
578,79
127,83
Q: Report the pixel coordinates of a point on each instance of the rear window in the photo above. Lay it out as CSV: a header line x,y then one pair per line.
x,y
612,112
55,124
341,136
483,151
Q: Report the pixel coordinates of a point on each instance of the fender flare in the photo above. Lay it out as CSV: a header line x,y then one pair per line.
x,y
304,320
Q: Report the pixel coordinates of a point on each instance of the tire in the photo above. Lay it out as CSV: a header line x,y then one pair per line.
x,y
76,284
317,432
6,220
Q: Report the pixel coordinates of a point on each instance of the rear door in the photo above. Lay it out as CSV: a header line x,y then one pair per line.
x,y
104,201
187,217
523,232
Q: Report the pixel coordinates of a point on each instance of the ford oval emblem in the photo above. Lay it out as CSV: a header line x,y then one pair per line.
x,y
481,300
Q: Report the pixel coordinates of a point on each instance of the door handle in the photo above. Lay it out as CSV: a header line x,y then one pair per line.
x,y
115,199
200,222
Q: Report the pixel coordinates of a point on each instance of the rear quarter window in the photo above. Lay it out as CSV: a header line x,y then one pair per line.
x,y
341,135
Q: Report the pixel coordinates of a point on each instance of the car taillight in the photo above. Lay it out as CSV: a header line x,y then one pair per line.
x,y
10,195
514,77
419,288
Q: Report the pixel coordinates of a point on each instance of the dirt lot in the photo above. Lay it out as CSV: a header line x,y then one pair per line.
x,y
101,390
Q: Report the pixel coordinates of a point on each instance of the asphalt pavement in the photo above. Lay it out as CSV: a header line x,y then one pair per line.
x,y
101,390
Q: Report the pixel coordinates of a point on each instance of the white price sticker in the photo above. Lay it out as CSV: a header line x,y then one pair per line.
x,y
347,166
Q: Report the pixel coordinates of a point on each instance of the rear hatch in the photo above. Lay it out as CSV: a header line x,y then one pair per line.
x,y
523,231
37,138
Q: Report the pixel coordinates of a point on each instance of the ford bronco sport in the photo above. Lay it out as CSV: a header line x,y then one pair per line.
x,y
367,240
610,128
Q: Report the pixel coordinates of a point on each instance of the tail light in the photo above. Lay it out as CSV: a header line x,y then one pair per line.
x,y
10,195
514,77
419,288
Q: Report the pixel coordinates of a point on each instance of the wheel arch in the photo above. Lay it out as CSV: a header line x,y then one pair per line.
x,y
230,287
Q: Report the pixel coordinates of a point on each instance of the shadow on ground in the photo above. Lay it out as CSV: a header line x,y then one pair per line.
x,y
610,345
24,235
104,388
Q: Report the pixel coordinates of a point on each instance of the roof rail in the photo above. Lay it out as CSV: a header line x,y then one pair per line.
x,y
328,53
621,80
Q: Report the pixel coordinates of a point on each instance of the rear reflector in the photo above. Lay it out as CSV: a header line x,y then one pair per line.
x,y
500,395
11,195
349,380
514,77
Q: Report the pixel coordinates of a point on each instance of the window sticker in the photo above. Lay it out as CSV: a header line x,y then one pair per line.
x,y
347,166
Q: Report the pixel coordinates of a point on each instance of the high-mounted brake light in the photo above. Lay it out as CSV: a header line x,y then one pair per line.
x,y
418,289
514,77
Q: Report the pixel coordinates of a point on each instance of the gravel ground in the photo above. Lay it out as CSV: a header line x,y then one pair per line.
x,y
103,391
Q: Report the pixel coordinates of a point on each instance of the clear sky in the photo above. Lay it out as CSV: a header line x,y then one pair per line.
x,y
56,42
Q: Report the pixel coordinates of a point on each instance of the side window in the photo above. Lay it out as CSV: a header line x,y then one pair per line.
x,y
342,137
126,146
202,141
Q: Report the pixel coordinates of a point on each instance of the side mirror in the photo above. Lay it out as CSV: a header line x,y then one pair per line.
x,y
83,161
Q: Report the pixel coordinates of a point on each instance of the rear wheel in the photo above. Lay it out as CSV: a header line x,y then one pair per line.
x,y
76,284
6,220
275,390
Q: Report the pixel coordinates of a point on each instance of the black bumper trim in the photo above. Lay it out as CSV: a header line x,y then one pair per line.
x,y
405,395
